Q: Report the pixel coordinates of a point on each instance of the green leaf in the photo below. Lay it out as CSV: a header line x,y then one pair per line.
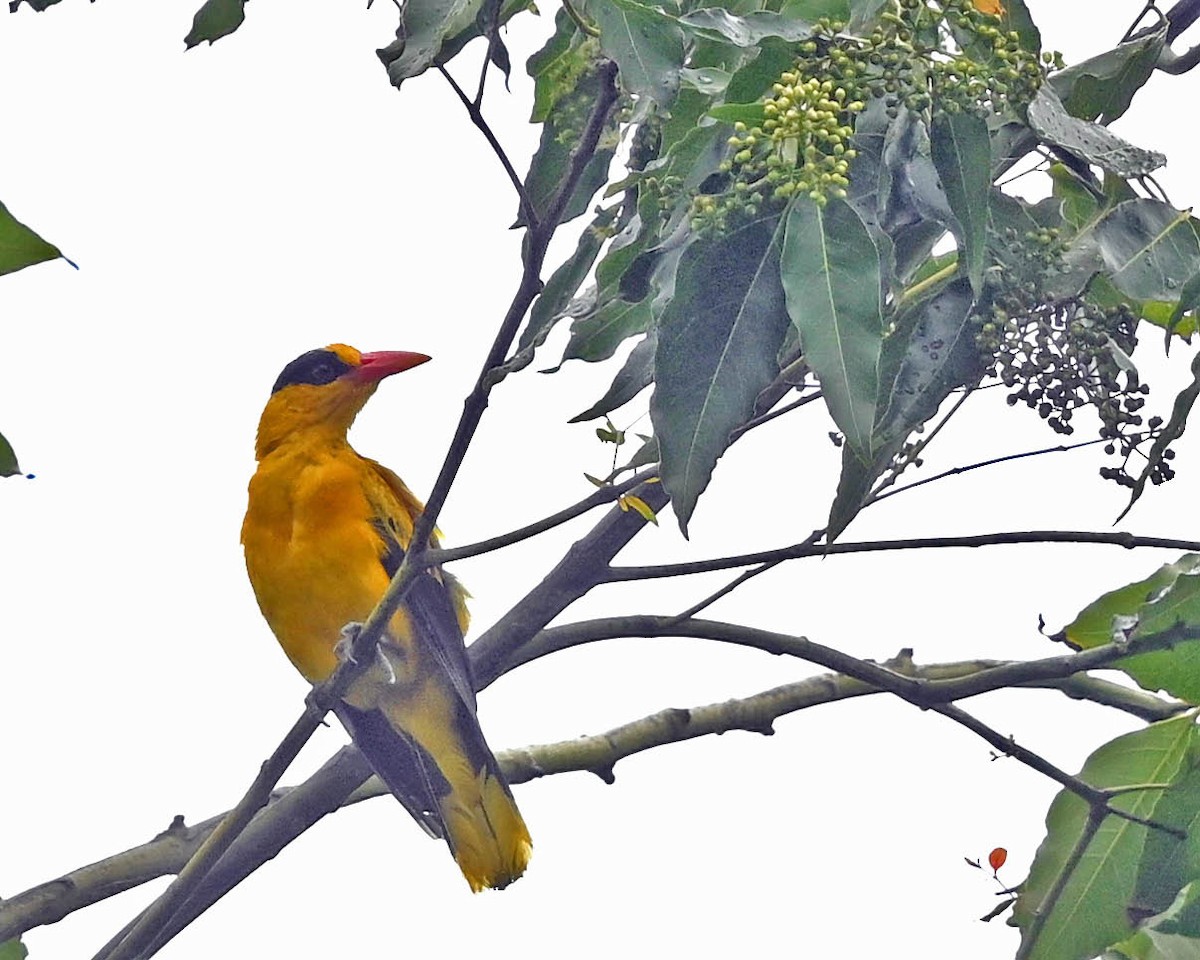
x,y
1172,935
1016,18
909,187
1164,604
864,12
962,156
635,375
745,31
706,80
1172,617
1079,204
931,352
751,114
833,273
717,342
214,20
1189,300
597,335
854,485
552,303
753,79
13,950
1169,863
1101,88
550,163
1149,248
1091,913
20,247
480,27
814,10
8,459
1096,144
646,44
425,27
1093,625
565,282
557,67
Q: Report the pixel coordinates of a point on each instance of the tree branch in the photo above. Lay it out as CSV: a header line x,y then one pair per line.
x,y
133,942
600,497
473,110
1127,540
345,779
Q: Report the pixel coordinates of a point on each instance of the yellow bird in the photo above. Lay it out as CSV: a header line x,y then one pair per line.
x,y
324,532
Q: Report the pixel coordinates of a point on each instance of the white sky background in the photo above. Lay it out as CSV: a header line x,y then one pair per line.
x,y
236,205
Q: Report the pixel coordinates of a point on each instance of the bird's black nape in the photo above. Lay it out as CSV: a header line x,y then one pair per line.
x,y
317,368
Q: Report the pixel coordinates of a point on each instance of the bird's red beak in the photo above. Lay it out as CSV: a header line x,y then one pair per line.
x,y
375,366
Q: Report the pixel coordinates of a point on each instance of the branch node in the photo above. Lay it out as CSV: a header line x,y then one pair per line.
x,y
605,773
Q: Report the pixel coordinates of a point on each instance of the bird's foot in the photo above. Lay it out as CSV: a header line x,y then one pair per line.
x,y
344,648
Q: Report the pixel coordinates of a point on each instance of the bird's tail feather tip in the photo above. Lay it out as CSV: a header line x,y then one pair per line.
x,y
490,840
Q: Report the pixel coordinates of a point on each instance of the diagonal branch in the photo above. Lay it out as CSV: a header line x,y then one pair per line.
x,y
131,943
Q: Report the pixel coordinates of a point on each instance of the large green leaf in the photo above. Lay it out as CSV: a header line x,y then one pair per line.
x,y
1102,87
214,20
646,44
20,247
961,154
717,345
1091,912
1150,249
1170,863
1091,141
833,273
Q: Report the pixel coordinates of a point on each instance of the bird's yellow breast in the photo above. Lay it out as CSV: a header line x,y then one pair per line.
x,y
312,552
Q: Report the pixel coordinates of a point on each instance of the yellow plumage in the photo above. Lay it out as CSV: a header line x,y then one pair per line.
x,y
324,531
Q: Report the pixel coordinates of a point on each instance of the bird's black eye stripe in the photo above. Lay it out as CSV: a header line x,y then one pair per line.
x,y
317,367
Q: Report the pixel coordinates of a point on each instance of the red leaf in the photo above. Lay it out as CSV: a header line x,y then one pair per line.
x,y
996,858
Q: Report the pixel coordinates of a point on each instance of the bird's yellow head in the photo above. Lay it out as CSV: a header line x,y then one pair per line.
x,y
323,390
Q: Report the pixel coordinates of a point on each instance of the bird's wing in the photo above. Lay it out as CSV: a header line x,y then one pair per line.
x,y
434,603
410,773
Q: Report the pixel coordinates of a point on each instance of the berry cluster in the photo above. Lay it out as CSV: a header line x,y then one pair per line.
x,y
1061,355
929,56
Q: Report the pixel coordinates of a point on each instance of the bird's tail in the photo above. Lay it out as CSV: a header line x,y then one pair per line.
x,y
429,750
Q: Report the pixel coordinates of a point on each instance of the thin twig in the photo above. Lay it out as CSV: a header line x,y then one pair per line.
x,y
477,118
1117,539
954,471
603,495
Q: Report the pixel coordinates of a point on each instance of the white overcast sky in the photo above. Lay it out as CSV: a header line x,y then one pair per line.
x,y
236,205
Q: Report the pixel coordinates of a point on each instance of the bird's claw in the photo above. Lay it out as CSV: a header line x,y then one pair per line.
x,y
344,648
